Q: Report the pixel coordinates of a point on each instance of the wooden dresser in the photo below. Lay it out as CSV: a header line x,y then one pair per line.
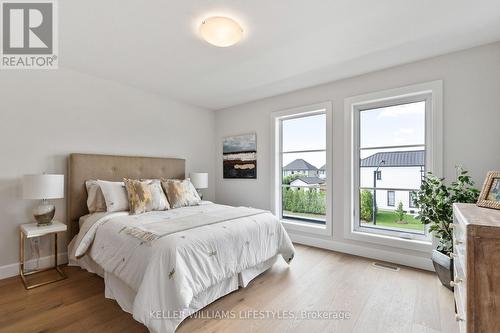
x,y
476,254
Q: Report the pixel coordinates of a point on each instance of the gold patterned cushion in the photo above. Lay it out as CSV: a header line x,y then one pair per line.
x,y
139,196
180,193
158,199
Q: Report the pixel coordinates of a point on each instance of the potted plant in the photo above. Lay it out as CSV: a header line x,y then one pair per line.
x,y
435,200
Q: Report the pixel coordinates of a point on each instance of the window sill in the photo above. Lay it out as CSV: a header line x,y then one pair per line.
x,y
305,227
392,241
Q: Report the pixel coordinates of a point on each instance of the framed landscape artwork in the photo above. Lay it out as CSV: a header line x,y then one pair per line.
x,y
239,156
490,195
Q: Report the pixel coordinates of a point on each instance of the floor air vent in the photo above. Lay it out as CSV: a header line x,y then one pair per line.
x,y
385,266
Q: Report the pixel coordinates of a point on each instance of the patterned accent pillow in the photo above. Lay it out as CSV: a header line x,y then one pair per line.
x,y
158,199
180,193
139,195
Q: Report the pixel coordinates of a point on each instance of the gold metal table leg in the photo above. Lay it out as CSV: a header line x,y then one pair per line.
x,y
23,274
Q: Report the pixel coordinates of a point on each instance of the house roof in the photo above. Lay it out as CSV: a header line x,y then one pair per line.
x,y
323,168
395,159
299,164
311,180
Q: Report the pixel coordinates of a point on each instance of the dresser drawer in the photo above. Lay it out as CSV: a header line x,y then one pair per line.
x,y
460,244
460,300
460,279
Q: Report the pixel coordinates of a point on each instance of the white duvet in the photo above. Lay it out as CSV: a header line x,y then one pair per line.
x,y
172,256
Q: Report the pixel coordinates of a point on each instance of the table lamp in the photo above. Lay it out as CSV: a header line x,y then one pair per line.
x,y
199,181
43,187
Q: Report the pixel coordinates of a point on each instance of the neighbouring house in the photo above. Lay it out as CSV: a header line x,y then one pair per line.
x,y
308,182
300,166
399,174
322,172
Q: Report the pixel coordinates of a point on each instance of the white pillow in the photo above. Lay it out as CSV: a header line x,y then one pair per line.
x,y
115,195
95,198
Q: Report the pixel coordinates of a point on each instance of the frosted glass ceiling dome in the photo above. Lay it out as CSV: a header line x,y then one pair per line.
x,y
221,31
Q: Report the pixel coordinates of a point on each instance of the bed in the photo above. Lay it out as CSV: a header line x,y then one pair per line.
x,y
163,266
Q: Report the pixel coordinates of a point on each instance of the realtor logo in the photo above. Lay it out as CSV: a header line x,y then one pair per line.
x,y
29,34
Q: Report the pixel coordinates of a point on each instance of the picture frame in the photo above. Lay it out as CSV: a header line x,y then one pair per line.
x,y
239,156
490,194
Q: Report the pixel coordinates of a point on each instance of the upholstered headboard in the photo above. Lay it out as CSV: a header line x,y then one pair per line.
x,y
82,167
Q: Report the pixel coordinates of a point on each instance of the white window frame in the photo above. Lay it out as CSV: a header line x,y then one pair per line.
x,y
433,91
290,225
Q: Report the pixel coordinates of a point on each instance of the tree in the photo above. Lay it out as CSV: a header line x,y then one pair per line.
x,y
301,201
366,205
310,201
400,212
321,202
288,199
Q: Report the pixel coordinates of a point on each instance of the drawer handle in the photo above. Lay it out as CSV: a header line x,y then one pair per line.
x,y
456,282
459,318
458,242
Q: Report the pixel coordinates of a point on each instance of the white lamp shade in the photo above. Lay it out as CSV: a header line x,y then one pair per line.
x,y
199,179
43,186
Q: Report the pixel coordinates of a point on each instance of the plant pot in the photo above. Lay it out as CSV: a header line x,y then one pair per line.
x,y
443,265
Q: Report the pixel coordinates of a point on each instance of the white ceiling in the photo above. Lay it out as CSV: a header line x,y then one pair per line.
x,y
288,44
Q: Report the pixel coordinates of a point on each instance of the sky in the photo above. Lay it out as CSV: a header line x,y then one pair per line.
x,y
307,133
390,126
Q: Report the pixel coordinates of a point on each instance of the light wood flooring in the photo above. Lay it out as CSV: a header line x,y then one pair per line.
x,y
318,280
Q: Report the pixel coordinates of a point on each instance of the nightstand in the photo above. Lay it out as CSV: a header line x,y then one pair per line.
x,y
31,230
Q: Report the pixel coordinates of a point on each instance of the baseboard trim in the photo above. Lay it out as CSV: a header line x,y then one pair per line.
x,y
361,251
10,270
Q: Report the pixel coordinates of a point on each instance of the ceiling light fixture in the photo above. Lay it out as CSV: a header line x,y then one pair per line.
x,y
221,31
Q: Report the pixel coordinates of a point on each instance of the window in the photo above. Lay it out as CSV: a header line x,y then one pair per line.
x,y
301,178
391,198
397,133
392,139
303,152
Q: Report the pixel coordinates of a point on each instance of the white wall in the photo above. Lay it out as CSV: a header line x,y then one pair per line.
x,y
45,115
471,117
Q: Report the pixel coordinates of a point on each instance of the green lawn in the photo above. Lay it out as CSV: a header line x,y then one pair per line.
x,y
385,218
388,219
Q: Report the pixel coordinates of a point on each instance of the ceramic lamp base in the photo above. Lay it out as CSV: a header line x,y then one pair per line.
x,y
44,214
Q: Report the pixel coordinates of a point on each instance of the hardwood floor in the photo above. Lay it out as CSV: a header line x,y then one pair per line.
x,y
318,280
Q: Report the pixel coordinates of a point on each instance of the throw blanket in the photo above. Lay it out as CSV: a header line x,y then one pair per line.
x,y
170,257
154,231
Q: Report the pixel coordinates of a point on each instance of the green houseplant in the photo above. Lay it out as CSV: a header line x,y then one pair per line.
x,y
435,200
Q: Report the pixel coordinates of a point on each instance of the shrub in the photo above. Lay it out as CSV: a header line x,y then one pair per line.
x,y
366,211
400,212
301,201
288,199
